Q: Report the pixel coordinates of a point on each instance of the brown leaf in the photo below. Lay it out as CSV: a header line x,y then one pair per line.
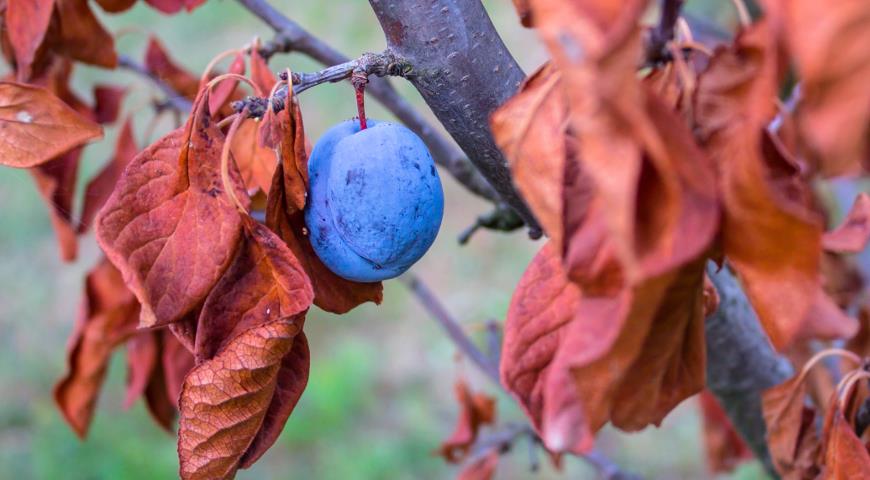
x,y
294,156
225,400
846,455
257,164
116,6
169,226
854,233
107,319
331,292
174,6
482,468
530,129
224,90
101,186
177,360
476,410
791,433
56,181
27,22
833,66
725,449
260,73
142,357
734,105
265,282
37,126
576,361
159,63
80,36
107,103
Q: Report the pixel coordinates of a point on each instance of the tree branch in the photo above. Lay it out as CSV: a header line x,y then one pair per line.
x,y
741,364
292,37
656,46
463,72
605,467
173,98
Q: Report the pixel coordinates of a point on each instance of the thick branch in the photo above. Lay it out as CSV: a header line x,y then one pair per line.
x,y
741,364
464,72
445,153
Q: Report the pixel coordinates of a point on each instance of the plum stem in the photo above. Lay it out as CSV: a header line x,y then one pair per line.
x,y
359,79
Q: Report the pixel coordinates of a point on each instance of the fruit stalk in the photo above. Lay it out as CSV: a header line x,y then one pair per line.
x,y
359,79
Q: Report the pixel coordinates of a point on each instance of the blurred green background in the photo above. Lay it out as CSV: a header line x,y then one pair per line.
x,y
380,398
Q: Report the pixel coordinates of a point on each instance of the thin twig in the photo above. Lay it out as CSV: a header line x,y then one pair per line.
x,y
656,51
606,468
294,38
173,98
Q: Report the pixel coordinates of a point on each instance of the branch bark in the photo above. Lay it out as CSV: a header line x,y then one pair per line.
x,y
741,363
445,153
464,72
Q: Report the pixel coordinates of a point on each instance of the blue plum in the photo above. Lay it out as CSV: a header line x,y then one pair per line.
x,y
375,202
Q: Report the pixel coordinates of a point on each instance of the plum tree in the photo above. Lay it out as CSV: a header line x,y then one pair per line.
x,y
375,200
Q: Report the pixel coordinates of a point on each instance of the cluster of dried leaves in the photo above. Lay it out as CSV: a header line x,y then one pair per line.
x,y
641,175
209,302
638,178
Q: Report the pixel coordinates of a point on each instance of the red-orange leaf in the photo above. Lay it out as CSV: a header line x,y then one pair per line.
x,y
724,447
115,6
174,6
827,44
37,126
475,410
482,468
101,186
225,401
256,163
169,226
108,317
331,292
846,455
791,432
852,236
224,90
107,103
575,361
56,181
735,102
158,62
265,282
26,22
260,73
80,35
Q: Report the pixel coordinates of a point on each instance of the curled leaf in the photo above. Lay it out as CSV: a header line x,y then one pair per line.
x,y
476,410
854,233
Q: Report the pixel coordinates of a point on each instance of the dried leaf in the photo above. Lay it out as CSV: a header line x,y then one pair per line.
x,y
260,73
476,410
826,41
854,233
142,357
169,226
27,22
225,89
80,35
225,400
734,105
257,164
116,6
38,126
331,292
265,282
159,63
846,455
174,6
482,468
294,156
101,186
524,12
530,129
791,433
725,449
177,361
107,103
56,182
107,319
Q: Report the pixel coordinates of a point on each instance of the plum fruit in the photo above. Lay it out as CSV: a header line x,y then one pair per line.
x,y
375,201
